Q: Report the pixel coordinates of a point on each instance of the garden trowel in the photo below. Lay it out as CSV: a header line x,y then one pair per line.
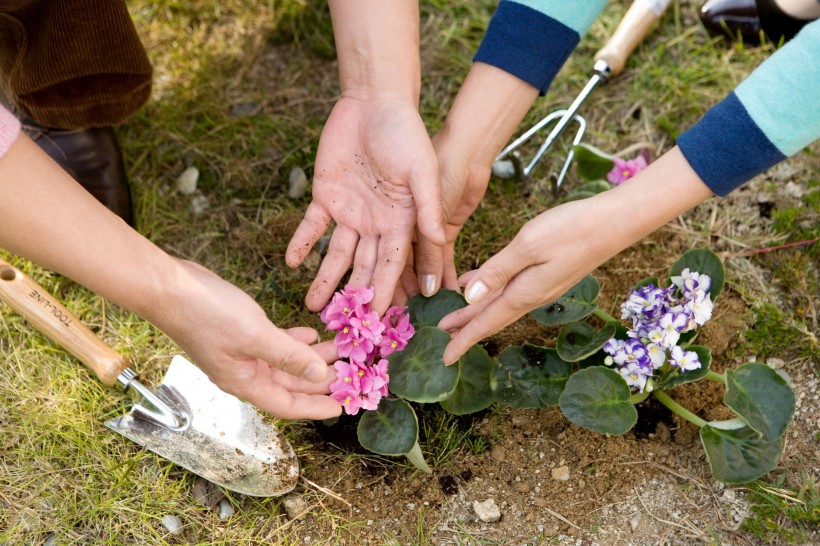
x,y
186,420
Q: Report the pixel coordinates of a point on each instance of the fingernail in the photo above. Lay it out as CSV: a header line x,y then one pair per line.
x,y
428,285
476,292
315,372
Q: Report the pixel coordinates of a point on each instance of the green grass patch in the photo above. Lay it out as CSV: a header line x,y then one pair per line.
x,y
780,513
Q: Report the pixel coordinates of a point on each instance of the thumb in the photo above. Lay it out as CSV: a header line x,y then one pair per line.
x,y
293,357
427,194
495,274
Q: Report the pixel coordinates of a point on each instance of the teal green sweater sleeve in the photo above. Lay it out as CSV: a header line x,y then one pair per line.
x,y
532,39
771,115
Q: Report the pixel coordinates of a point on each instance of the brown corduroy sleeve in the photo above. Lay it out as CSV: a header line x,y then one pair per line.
x,y
72,64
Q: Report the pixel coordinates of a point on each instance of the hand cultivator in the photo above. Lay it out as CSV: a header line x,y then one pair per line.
x,y
609,61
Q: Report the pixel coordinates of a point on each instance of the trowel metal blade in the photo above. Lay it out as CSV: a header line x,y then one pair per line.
x,y
224,440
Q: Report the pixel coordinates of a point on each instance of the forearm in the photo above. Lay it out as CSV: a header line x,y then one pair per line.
x,y
377,45
48,218
486,112
657,195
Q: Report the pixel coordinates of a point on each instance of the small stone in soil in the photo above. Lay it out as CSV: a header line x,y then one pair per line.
x,y
296,507
487,511
297,183
504,169
225,509
198,204
186,183
172,523
561,473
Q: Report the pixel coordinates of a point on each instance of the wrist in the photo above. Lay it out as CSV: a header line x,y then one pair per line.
x,y
377,45
486,112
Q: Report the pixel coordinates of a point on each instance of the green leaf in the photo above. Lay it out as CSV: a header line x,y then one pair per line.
x,y
675,377
577,303
392,429
738,455
429,311
587,190
649,280
591,162
761,397
418,372
474,388
529,377
597,398
579,340
705,261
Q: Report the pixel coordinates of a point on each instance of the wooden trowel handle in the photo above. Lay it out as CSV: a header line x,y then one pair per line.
x,y
636,24
52,319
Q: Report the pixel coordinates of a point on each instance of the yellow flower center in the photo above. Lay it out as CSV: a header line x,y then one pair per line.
x,y
355,343
361,373
366,322
348,380
625,173
347,400
346,310
346,330
393,345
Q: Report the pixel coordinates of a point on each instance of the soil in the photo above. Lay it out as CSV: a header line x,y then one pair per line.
x,y
555,482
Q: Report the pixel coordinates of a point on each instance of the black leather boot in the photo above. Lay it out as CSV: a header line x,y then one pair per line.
x,y
93,158
749,19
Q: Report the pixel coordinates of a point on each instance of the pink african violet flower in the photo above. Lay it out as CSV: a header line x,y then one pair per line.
x,y
352,345
624,170
362,338
375,378
349,399
369,326
398,331
336,315
347,376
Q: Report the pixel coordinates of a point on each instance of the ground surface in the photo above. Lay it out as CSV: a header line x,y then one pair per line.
x,y
241,92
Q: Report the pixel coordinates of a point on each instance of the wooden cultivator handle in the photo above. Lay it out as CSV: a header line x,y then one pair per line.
x,y
636,24
52,319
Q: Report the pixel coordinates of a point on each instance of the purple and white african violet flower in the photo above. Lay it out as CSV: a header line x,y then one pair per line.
x,y
364,339
659,316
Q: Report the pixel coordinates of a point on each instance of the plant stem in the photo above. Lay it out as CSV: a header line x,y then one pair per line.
x,y
639,397
667,401
713,376
415,457
603,315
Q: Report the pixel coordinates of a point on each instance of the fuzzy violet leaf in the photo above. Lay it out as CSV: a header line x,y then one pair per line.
x,y
529,377
577,303
761,397
598,399
418,373
591,162
429,311
676,376
474,388
705,262
392,429
579,340
738,455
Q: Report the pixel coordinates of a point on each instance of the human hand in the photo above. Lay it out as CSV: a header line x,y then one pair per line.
x,y
555,250
375,176
275,370
463,184
488,108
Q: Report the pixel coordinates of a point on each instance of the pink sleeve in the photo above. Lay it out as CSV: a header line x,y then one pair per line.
x,y
9,129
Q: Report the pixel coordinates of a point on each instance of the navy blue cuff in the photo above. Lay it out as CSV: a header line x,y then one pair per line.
x,y
726,147
527,44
